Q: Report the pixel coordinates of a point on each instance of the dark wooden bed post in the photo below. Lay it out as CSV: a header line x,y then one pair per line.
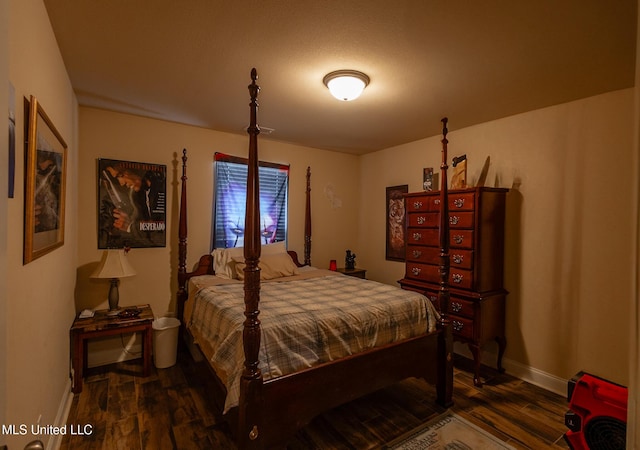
x,y
443,295
307,222
250,413
182,240
444,386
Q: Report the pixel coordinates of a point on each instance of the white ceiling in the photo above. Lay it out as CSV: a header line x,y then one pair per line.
x,y
189,61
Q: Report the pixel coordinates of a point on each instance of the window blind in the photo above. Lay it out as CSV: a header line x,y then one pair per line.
x,y
230,187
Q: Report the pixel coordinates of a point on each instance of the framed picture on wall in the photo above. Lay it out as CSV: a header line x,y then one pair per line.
x,y
131,204
11,154
45,174
395,247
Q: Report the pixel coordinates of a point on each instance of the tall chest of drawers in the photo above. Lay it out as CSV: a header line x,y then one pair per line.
x,y
476,240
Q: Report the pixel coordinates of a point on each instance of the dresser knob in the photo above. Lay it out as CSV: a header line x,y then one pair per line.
x,y
458,238
417,236
458,202
453,220
416,253
456,306
421,220
457,258
417,205
416,271
436,201
456,278
457,325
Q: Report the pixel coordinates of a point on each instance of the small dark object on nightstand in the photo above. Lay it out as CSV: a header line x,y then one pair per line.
x,y
350,260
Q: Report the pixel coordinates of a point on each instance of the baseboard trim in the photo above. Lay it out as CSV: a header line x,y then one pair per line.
x,y
521,371
55,441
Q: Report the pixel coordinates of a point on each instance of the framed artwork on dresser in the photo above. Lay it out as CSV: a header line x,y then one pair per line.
x,y
395,223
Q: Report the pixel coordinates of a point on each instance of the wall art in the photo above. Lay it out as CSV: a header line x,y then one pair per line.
x,y
46,159
131,204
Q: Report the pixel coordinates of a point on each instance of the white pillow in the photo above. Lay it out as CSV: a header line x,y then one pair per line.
x,y
223,261
274,265
223,258
272,249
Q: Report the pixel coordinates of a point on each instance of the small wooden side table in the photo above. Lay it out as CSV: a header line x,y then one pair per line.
x,y
357,272
101,325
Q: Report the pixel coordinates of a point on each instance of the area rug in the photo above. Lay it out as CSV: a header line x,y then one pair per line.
x,y
447,431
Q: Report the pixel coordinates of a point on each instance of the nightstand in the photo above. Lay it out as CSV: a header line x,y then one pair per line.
x,y
102,324
357,272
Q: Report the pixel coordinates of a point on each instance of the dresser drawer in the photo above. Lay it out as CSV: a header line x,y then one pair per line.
x,y
461,202
460,219
461,307
461,238
423,272
430,236
423,236
423,203
459,258
421,253
424,219
458,278
433,298
462,326
432,219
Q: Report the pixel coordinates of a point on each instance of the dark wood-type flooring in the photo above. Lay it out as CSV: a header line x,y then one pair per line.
x,y
170,409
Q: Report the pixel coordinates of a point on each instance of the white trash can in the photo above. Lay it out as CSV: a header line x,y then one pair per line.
x,y
165,341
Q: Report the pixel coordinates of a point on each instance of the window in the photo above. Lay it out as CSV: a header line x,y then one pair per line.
x,y
230,201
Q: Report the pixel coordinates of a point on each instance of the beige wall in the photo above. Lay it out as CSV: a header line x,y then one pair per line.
x,y
40,294
4,80
119,136
569,225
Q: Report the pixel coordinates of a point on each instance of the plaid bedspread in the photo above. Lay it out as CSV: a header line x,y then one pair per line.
x,y
304,322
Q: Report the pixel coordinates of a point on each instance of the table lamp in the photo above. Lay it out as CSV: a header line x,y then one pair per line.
x,y
114,265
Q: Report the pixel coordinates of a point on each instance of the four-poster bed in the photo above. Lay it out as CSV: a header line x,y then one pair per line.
x,y
272,403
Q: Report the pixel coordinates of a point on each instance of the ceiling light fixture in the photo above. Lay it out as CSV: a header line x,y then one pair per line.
x,y
346,85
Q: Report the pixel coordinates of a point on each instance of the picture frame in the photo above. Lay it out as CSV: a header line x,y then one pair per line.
x,y
45,181
459,175
427,179
131,204
11,154
395,223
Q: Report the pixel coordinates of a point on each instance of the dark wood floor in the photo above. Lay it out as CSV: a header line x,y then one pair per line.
x,y
169,409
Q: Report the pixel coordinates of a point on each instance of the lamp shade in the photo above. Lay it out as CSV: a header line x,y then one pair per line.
x,y
114,264
346,85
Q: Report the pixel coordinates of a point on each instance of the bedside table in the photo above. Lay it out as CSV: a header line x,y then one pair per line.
x,y
357,272
101,325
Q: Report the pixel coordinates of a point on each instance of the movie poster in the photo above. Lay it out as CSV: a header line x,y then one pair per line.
x,y
131,204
